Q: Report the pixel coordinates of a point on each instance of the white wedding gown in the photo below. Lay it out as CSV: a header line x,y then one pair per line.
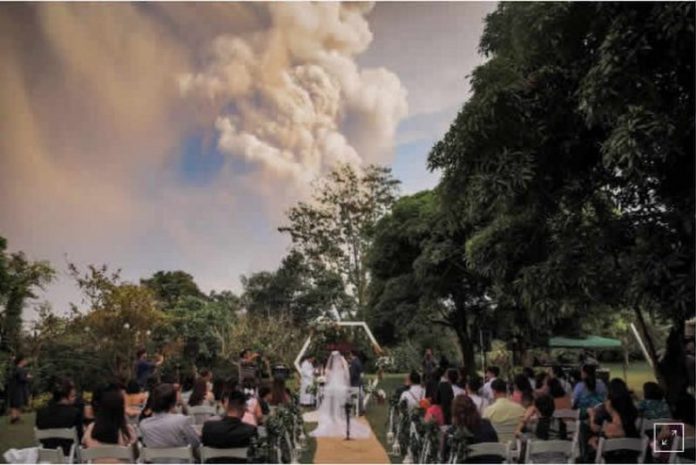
x,y
332,412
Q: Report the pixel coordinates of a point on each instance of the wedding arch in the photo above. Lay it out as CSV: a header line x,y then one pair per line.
x,y
317,327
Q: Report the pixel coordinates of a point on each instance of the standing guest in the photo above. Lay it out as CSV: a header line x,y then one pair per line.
x,y
307,381
248,367
455,380
445,395
490,375
590,391
230,431
444,363
503,411
143,368
415,392
109,427
201,395
473,387
207,375
429,364
166,428
561,399
557,372
187,385
18,388
60,413
521,386
653,406
355,371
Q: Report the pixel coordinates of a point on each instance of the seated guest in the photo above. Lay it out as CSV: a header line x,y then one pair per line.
x,y
465,414
540,386
458,383
60,413
230,431
557,373
473,388
503,411
135,399
415,392
541,416
187,384
445,395
561,399
435,412
521,386
265,399
279,393
165,428
653,406
491,375
590,391
109,427
207,375
615,418
201,395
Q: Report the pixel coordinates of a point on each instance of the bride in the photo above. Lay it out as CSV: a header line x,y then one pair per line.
x,y
332,411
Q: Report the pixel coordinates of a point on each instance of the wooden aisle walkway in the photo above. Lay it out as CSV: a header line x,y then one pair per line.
x,y
336,450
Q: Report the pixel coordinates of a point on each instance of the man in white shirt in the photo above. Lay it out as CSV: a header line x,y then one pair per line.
x,y
491,375
473,389
415,392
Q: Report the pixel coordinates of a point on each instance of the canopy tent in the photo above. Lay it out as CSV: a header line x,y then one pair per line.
x,y
590,342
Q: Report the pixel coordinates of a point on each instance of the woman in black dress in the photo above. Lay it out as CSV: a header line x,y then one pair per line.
x,y
18,388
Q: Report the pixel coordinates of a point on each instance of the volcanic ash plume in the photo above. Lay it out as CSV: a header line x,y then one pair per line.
x,y
291,99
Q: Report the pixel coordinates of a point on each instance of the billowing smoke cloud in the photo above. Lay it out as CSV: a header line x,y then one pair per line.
x,y
291,98
96,100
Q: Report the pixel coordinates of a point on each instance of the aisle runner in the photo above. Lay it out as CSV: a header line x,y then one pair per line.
x,y
337,450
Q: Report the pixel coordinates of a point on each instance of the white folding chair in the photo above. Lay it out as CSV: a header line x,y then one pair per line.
x,y
50,455
121,453
555,446
496,449
59,433
202,413
208,453
681,443
506,434
638,445
646,426
165,454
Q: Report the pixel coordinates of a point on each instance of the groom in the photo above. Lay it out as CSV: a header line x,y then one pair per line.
x,y
356,370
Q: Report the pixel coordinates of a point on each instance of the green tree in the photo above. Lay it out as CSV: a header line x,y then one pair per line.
x,y
295,289
573,161
120,316
171,286
420,278
334,231
19,280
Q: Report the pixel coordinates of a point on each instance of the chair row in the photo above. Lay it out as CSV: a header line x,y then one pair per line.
x,y
145,454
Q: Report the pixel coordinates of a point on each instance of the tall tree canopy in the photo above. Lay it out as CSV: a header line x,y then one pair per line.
x,y
171,286
334,230
573,160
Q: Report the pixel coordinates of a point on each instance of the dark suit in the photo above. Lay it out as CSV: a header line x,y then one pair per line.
x,y
356,369
446,395
227,433
59,416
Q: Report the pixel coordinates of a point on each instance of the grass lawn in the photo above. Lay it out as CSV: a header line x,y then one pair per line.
x,y
16,436
377,414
